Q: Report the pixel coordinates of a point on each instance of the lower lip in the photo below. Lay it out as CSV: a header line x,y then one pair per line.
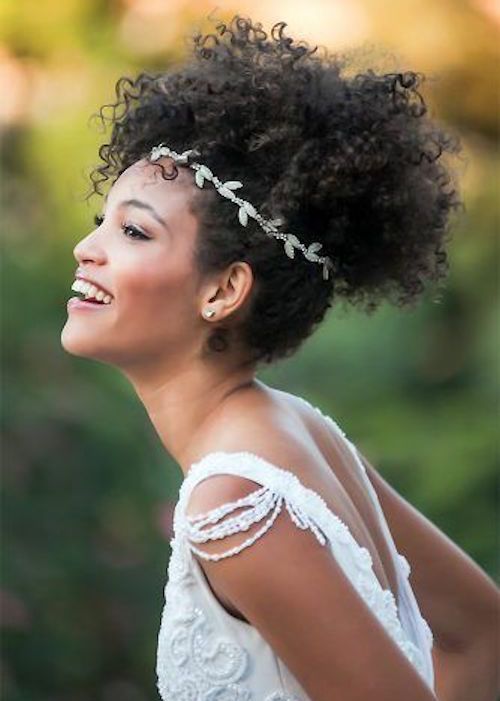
x,y
75,303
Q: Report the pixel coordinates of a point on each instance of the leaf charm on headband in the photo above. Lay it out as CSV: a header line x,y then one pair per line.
x,y
202,173
243,216
226,192
182,158
232,184
289,246
309,254
249,208
291,242
294,240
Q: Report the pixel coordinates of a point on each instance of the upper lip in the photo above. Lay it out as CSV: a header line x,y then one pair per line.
x,y
79,276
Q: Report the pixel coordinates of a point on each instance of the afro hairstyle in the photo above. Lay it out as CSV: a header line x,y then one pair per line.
x,y
352,161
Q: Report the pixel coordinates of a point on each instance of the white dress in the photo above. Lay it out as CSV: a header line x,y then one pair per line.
x,y
206,654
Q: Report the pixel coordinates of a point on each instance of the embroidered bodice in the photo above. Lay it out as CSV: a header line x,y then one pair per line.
x,y
206,654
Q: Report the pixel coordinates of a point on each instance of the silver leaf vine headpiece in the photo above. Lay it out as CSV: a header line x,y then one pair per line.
x,y
245,208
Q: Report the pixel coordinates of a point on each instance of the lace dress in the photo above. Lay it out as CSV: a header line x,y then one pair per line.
x,y
206,654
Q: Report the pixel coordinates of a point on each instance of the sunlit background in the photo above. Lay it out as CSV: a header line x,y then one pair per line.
x,y
87,488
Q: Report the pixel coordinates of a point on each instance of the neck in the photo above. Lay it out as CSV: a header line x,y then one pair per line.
x,y
184,406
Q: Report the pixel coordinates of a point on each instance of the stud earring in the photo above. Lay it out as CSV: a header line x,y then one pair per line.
x,y
208,313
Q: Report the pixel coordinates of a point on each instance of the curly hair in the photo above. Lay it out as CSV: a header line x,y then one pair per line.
x,y
352,162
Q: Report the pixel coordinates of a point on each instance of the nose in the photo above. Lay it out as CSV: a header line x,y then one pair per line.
x,y
89,249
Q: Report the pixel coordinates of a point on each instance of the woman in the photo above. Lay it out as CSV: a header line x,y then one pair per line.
x,y
254,186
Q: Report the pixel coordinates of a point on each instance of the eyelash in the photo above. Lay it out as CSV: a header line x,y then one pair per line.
x,y
138,235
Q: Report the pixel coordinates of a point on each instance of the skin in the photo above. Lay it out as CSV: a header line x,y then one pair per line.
x,y
154,329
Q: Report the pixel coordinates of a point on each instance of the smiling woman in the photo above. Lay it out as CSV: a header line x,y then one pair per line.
x,y
308,586
354,165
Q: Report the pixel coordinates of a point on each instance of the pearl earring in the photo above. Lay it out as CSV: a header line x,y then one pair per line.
x,y
208,313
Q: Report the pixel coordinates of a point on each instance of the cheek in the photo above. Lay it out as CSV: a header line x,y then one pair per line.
x,y
159,297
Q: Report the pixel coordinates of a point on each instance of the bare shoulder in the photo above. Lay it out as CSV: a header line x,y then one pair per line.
x,y
269,572
277,427
267,421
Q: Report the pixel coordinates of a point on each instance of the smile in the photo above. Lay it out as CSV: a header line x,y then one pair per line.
x,y
91,292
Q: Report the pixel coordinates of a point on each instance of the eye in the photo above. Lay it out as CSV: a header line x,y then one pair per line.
x,y
133,232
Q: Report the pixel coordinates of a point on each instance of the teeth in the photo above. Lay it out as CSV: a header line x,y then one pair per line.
x,y
90,290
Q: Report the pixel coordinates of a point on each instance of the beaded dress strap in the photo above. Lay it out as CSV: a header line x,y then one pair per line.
x,y
265,501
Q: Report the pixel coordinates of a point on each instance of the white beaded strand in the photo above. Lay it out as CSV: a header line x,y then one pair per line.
x,y
261,502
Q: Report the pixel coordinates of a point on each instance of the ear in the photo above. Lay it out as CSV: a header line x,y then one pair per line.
x,y
230,291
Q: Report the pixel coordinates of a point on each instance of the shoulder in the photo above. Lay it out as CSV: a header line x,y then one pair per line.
x,y
244,531
254,473
264,555
226,512
239,424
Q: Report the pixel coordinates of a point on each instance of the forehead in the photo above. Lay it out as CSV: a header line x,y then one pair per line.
x,y
146,178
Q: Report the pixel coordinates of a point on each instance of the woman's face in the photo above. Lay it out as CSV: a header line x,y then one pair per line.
x,y
154,315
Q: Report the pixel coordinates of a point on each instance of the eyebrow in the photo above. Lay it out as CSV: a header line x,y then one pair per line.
x,y
142,205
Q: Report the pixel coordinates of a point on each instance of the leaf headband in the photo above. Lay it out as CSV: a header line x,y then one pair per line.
x,y
245,208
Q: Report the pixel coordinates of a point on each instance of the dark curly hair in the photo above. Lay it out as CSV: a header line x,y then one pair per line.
x,y
352,162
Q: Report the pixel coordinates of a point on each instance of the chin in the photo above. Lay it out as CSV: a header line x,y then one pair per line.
x,y
83,344
79,344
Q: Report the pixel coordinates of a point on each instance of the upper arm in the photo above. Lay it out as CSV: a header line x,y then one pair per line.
x,y
293,591
456,597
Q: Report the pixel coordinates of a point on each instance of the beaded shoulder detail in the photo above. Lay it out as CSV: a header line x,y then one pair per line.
x,y
257,505
307,509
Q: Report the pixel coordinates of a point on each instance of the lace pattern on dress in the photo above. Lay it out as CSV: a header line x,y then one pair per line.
x,y
194,661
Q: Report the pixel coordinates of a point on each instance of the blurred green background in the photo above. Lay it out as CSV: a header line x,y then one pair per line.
x,y
87,488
